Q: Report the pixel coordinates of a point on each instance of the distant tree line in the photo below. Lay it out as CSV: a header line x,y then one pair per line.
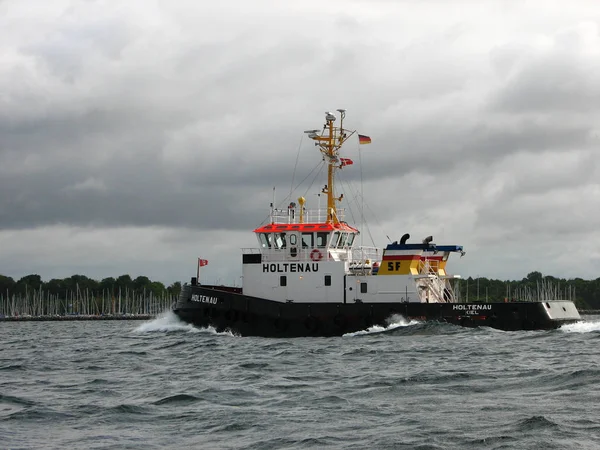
x,y
79,294
585,293
9,287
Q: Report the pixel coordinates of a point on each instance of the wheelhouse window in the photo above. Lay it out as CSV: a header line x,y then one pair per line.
x,y
343,240
265,240
335,239
322,239
293,239
280,240
350,240
308,240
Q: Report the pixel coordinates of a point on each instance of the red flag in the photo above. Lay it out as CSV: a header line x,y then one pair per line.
x,y
202,262
346,162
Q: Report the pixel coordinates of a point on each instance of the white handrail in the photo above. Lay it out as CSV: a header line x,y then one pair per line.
x,y
292,215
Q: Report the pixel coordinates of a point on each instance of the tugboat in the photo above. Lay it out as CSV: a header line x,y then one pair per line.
x,y
309,277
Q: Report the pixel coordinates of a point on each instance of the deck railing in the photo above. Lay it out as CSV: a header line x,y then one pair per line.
x,y
292,215
429,266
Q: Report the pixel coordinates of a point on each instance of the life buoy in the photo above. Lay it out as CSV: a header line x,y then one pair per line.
x,y
316,255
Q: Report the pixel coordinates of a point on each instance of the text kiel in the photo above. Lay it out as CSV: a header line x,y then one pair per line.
x,y
472,310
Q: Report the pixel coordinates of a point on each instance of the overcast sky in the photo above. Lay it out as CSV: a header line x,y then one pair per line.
x,y
137,136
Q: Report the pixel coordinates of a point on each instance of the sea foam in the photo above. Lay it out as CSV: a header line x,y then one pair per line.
x,y
581,327
167,322
396,321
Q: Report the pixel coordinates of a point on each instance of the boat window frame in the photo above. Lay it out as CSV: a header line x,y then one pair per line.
x,y
280,241
343,240
335,239
263,238
325,236
310,244
350,241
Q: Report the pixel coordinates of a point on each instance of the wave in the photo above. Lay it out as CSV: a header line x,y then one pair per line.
x,y
179,398
16,400
169,322
165,322
581,327
11,367
394,322
536,423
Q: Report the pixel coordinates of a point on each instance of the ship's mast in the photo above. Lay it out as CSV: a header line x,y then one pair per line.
x,y
330,141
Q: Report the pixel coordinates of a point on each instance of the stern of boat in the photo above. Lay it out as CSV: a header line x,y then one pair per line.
x,y
561,311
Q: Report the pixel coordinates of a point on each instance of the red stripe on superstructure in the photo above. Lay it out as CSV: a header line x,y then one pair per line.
x,y
304,227
434,258
400,257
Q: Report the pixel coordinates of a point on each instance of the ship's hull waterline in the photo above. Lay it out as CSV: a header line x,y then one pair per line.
x,y
251,316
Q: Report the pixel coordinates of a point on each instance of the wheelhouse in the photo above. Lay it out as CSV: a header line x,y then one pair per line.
x,y
308,239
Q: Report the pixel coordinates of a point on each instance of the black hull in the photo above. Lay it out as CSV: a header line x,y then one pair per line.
x,y
228,309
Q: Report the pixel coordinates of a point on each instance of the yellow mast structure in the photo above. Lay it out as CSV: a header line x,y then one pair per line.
x,y
330,141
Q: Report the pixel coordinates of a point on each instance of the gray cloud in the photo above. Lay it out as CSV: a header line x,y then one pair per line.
x,y
180,118
561,77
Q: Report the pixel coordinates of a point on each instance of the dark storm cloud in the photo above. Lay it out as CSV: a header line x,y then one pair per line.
x,y
452,146
155,143
122,142
133,190
184,117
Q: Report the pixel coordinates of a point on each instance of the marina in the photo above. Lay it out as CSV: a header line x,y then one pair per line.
x,y
67,318
41,305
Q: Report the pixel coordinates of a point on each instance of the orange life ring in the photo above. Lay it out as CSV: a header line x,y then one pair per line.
x,y
316,255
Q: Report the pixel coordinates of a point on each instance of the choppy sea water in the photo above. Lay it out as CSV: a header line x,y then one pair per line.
x,y
165,384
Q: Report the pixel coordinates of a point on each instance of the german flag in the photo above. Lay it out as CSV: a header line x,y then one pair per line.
x,y
362,139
